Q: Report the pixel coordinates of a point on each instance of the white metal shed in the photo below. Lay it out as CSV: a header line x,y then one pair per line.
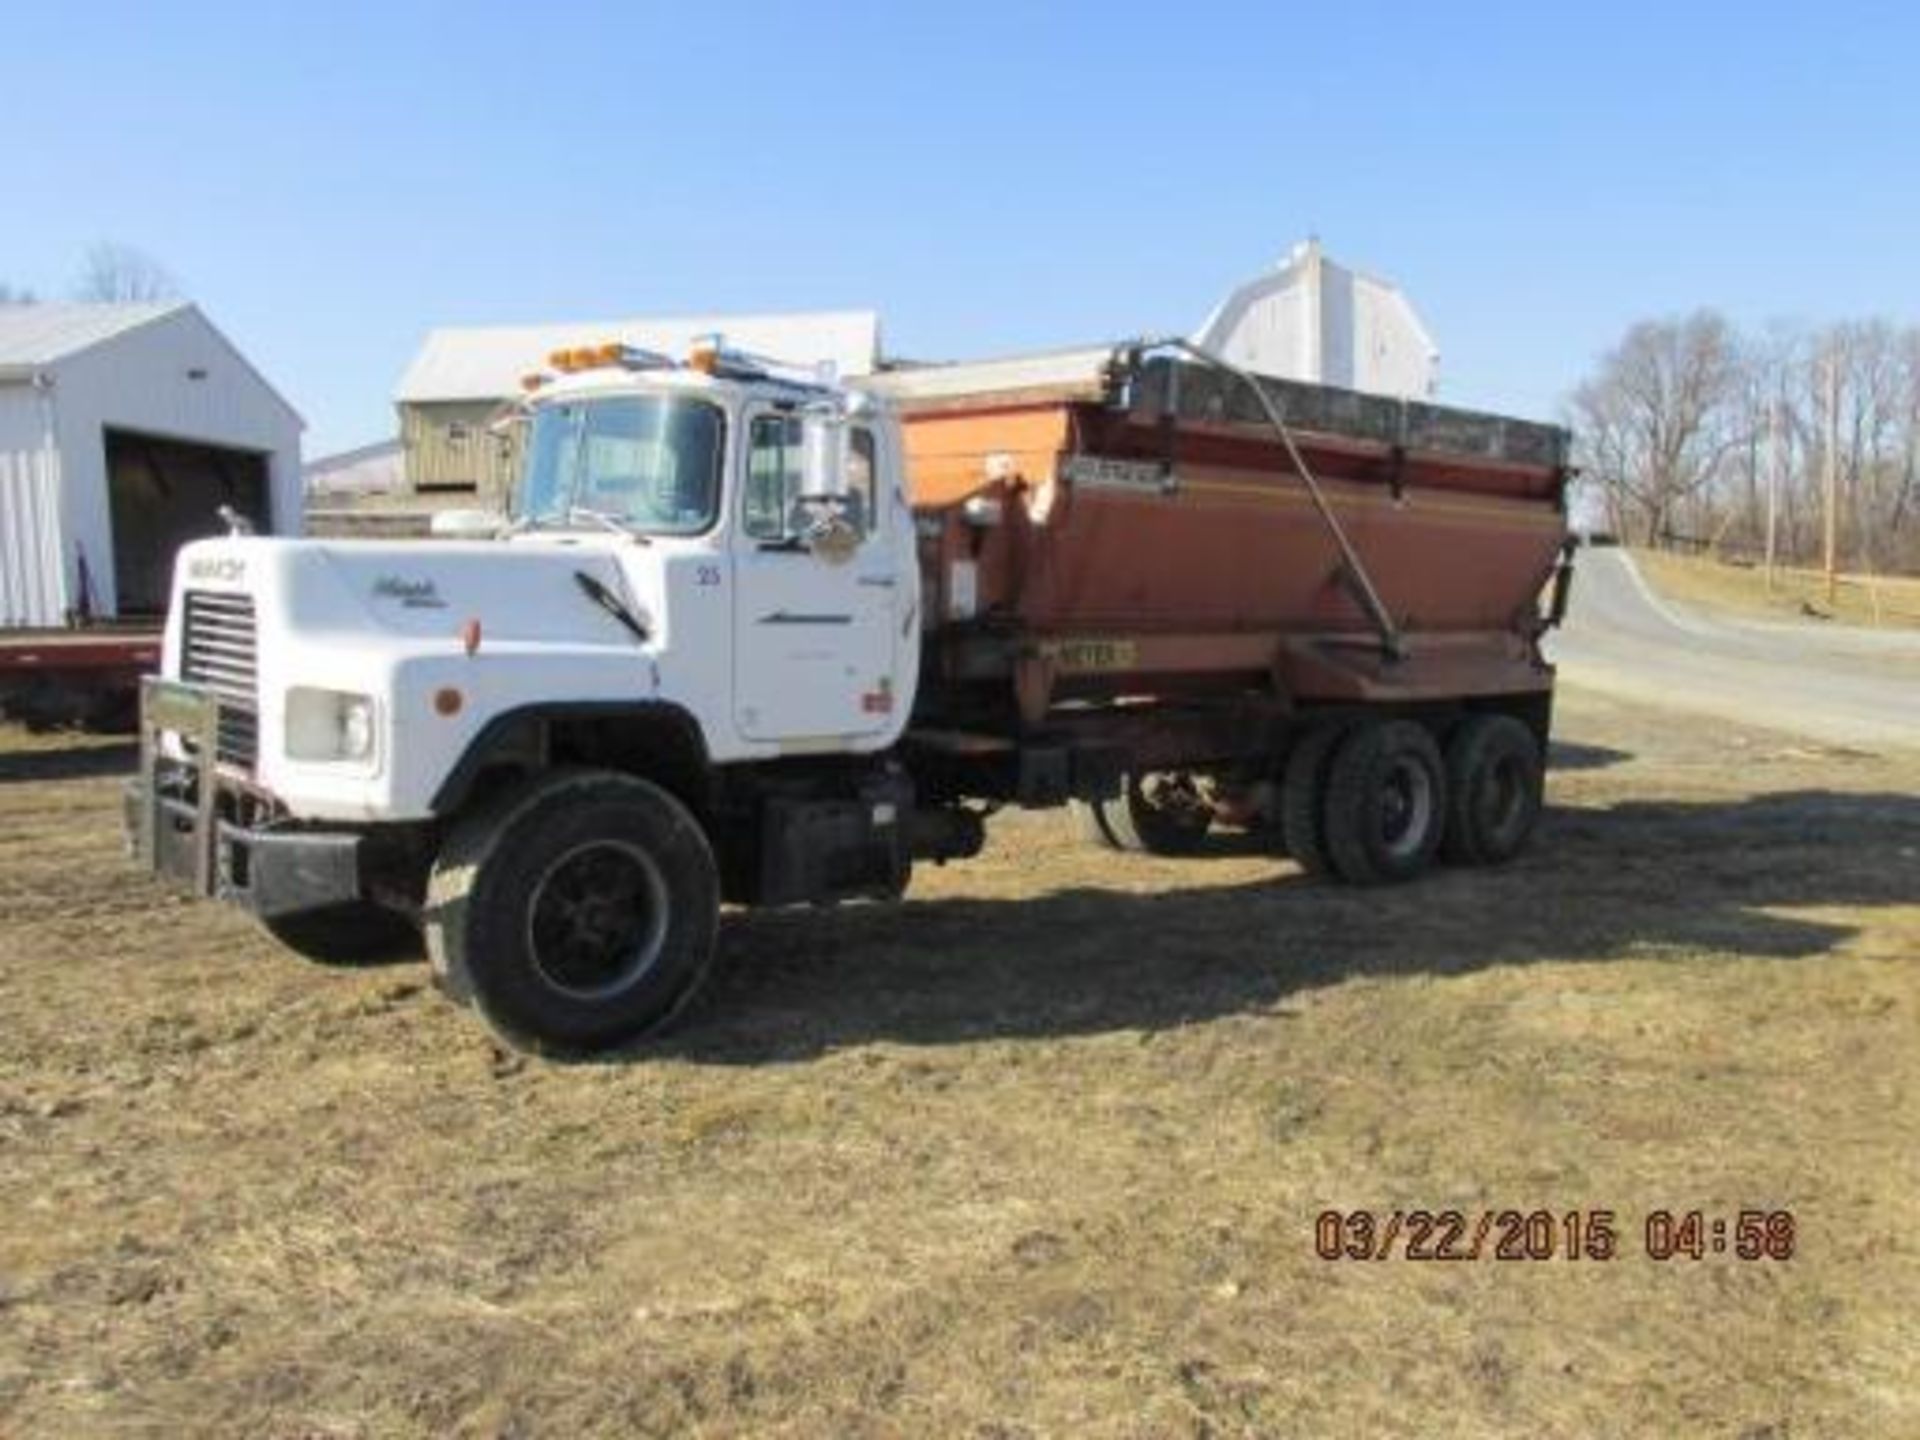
x,y
122,429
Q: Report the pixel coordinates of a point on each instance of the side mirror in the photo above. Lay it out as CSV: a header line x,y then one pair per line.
x,y
823,439
823,517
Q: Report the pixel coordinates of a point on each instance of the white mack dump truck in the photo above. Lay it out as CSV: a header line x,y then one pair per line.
x,y
718,653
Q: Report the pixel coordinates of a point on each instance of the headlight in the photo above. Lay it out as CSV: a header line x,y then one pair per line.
x,y
328,725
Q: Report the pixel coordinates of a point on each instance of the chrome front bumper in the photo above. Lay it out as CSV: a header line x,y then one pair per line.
x,y
190,825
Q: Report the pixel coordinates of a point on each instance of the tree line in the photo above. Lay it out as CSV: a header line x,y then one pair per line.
x,y
110,273
1694,433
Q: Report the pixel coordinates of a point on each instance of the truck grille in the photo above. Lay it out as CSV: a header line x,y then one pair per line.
x,y
218,651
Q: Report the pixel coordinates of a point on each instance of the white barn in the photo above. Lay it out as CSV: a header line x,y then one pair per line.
x,y
123,428
1311,319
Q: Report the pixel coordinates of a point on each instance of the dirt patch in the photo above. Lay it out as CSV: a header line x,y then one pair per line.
x,y
1039,1152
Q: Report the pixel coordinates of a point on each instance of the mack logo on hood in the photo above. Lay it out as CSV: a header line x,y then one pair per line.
x,y
225,568
414,594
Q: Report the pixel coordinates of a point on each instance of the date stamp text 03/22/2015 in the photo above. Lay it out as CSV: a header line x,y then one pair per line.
x,y
1545,1234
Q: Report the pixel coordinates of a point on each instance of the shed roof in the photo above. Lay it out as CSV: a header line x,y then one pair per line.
x,y
33,337
486,362
43,334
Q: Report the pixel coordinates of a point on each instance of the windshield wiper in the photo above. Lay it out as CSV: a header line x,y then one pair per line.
x,y
611,603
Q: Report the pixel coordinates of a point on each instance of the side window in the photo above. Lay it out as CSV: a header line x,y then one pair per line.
x,y
776,474
863,481
775,466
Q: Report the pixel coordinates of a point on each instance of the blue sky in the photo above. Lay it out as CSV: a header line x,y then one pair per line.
x,y
329,181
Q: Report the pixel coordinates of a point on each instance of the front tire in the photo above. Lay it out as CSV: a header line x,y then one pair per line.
x,y
577,912
360,933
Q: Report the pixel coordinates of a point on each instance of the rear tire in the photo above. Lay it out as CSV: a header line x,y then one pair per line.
x,y
359,933
1386,803
1303,796
577,912
1495,783
1160,813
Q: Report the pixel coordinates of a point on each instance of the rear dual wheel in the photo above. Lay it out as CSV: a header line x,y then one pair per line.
x,y
1495,780
1376,802
1303,798
1162,812
1385,803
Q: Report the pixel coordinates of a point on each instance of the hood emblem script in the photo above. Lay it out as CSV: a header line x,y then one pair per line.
x,y
414,594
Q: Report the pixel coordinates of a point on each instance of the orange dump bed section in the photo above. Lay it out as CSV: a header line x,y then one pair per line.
x,y
1145,529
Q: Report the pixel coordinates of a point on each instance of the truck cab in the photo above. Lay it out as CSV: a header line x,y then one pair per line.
x,y
706,594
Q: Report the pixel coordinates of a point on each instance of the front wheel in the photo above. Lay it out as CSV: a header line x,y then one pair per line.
x,y
577,913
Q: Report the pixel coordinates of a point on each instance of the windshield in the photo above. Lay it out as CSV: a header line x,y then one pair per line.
x,y
651,462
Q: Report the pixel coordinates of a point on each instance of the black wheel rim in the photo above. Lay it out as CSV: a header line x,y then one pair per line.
x,y
597,919
1406,807
1174,798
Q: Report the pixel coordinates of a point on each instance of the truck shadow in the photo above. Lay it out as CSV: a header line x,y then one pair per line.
x,y
76,762
1569,755
1638,879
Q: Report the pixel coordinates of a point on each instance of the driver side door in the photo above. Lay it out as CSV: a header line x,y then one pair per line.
x,y
813,658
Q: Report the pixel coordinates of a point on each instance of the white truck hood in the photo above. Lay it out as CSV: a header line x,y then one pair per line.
x,y
521,590
390,619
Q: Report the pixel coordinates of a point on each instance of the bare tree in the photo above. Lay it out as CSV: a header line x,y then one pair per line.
x,y
120,273
1871,411
1687,426
1659,420
1906,494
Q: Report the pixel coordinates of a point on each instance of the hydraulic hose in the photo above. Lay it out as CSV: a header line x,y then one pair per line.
x,y
1356,570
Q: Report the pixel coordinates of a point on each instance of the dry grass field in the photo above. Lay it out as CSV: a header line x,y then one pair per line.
x,y
1038,1153
1885,602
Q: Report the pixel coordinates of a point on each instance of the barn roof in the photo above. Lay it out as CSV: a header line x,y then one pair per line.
x,y
33,335
486,362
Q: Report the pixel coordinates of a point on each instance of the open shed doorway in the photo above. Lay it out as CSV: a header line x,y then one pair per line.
x,y
164,493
